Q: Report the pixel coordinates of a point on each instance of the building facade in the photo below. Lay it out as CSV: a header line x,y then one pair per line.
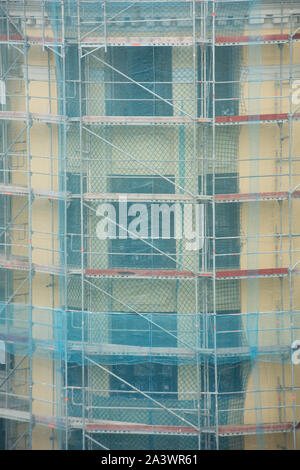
x,y
149,232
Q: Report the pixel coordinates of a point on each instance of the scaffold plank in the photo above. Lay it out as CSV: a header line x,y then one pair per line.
x,y
118,427
22,265
185,430
109,349
249,273
258,39
146,120
143,197
255,197
14,415
228,274
140,273
14,190
146,273
18,190
40,117
18,336
141,120
136,41
159,40
261,118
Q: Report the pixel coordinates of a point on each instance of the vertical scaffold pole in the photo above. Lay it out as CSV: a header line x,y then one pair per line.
x,y
214,224
63,225
30,232
290,123
83,339
195,191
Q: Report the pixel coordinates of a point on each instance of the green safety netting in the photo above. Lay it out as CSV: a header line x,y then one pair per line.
x,y
119,344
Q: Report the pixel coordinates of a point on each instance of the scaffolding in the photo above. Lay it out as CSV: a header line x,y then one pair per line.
x,y
134,340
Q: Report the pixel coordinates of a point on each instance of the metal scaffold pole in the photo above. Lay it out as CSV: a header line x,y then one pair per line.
x,y
213,66
63,182
195,191
290,205
84,319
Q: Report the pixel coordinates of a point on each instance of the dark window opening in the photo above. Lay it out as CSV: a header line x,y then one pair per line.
x,y
135,253
73,80
149,66
135,330
157,380
76,376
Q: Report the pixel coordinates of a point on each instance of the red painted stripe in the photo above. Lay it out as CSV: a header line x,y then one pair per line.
x,y
251,196
252,272
259,37
13,37
244,429
250,118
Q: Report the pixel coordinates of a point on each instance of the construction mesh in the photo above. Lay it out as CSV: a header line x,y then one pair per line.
x,y
161,109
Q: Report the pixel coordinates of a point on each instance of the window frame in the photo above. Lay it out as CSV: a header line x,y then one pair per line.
x,y
132,374
128,61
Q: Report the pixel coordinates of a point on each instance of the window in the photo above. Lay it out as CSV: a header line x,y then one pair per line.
x,y
74,221
227,222
132,329
76,375
157,380
74,324
133,253
150,66
229,378
225,73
